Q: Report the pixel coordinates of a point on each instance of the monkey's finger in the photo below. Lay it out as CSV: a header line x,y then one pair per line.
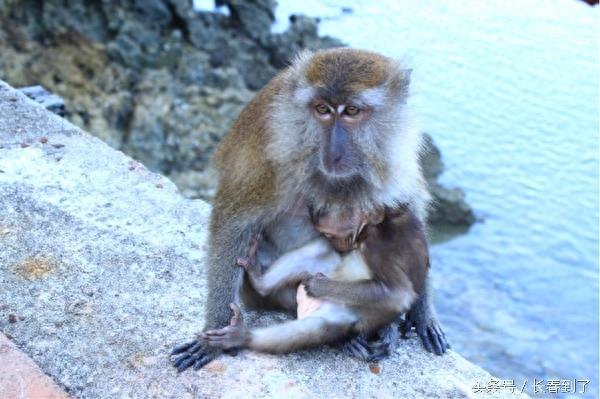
x,y
379,355
243,262
214,333
357,351
435,341
197,346
379,350
217,340
444,345
237,317
357,347
425,339
380,347
443,334
427,345
183,362
439,344
202,362
182,348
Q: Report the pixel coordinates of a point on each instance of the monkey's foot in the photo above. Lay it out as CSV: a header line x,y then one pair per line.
x,y
382,347
194,353
428,329
235,335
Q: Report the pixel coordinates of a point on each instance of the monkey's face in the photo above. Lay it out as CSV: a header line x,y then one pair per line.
x,y
340,155
338,122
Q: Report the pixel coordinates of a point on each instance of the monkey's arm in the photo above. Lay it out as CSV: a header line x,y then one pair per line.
x,y
292,267
422,317
364,293
406,236
227,243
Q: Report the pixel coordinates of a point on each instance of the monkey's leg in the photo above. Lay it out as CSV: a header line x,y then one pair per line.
x,y
329,324
422,316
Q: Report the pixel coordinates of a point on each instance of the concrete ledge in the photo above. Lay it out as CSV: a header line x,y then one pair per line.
x,y
103,262
21,378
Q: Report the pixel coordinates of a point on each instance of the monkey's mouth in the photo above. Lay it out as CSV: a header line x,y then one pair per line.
x,y
338,171
340,188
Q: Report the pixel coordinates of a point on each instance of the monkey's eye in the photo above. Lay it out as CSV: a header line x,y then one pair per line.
x,y
322,109
351,110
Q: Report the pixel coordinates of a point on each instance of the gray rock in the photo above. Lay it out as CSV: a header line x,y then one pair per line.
x,y
449,208
302,34
177,128
431,159
50,101
105,259
253,17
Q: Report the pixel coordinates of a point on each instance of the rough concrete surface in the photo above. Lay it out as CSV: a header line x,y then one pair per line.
x,y
101,266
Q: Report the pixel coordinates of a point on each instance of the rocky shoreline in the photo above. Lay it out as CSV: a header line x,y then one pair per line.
x,y
163,82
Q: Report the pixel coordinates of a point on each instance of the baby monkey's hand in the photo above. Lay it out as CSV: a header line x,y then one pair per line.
x,y
249,262
315,285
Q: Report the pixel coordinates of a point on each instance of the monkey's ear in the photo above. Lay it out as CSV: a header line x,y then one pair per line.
x,y
300,60
406,74
400,81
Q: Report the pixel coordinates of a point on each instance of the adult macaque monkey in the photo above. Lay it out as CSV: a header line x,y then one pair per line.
x,y
331,129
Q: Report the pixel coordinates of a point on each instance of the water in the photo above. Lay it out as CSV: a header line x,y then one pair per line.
x,y
509,90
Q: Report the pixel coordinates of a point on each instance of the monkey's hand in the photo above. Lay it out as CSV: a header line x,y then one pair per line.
x,y
235,335
253,268
249,262
381,346
206,348
428,329
194,353
316,285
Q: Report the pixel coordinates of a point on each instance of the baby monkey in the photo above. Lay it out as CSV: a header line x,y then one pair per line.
x,y
364,272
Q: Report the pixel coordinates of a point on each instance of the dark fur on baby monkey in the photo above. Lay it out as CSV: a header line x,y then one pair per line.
x,y
366,271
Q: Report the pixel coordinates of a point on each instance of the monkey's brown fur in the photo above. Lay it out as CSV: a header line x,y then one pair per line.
x,y
349,71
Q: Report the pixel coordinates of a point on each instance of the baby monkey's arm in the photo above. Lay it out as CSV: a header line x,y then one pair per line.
x,y
291,268
363,293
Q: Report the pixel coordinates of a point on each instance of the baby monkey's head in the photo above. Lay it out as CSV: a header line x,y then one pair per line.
x,y
345,228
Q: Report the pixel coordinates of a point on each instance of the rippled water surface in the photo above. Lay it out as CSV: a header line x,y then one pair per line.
x,y
509,90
